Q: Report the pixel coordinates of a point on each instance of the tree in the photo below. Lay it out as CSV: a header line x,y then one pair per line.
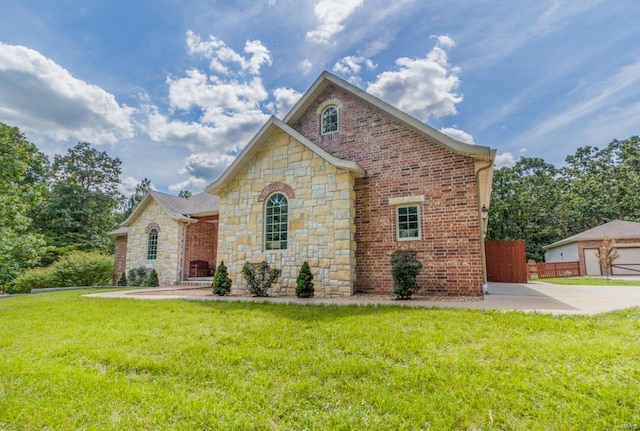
x,y
607,254
23,174
185,194
142,189
83,196
524,205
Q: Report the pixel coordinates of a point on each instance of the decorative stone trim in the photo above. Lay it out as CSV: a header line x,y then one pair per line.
x,y
152,225
276,187
329,102
406,200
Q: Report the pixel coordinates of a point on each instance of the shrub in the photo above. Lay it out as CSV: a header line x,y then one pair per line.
x,y
259,277
77,269
84,269
152,280
405,269
122,281
221,281
304,282
138,276
36,278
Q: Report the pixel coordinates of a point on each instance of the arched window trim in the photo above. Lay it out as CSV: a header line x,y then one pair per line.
x,y
328,124
276,222
152,244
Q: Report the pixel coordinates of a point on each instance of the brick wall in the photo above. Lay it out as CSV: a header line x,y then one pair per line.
x,y
201,242
120,264
401,162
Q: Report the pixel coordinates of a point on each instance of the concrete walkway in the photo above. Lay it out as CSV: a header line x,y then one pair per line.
x,y
531,297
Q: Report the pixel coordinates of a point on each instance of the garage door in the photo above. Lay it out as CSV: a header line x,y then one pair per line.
x,y
591,261
628,263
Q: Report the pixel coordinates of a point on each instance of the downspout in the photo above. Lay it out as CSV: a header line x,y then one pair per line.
x,y
485,286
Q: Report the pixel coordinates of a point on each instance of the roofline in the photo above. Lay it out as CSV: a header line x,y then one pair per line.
x,y
138,209
242,159
475,151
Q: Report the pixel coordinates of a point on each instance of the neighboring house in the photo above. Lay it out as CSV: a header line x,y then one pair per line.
x,y
169,234
584,246
343,182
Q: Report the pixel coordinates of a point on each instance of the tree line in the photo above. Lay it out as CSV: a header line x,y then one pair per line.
x,y
541,204
49,209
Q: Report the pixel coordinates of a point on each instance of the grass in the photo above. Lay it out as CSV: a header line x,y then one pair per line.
x,y
590,281
70,362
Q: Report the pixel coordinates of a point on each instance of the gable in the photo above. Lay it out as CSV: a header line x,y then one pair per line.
x,y
262,138
326,80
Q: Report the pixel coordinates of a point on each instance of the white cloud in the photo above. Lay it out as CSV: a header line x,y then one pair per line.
x,y
201,168
222,56
505,159
306,66
351,66
459,135
285,98
42,97
423,87
331,14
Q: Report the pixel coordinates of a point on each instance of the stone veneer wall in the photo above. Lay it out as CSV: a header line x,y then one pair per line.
x,y
201,243
120,263
321,215
170,244
400,162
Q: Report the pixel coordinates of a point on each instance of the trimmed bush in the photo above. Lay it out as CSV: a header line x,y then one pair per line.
x,y
405,269
304,282
152,280
122,281
260,277
221,281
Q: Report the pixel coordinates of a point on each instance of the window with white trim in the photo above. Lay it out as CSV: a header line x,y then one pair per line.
x,y
329,120
152,244
408,222
276,222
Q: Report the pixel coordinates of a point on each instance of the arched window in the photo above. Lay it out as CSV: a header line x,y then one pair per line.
x,y
276,222
152,244
330,120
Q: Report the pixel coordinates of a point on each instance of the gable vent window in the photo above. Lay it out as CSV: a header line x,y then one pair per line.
x,y
330,120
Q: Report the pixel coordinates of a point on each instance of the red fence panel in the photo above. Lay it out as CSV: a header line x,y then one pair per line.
x,y
558,269
506,262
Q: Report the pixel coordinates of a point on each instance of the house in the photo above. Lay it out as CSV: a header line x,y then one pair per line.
x,y
584,247
169,233
342,182
345,180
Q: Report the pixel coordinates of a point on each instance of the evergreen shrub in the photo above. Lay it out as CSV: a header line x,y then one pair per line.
x,y
304,282
221,281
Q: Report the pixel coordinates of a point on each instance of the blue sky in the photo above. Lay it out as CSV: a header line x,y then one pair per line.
x,y
176,88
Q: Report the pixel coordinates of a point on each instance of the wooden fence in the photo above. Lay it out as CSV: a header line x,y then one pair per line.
x,y
506,261
558,269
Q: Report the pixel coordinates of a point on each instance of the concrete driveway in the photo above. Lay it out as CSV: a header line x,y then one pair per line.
x,y
560,299
531,297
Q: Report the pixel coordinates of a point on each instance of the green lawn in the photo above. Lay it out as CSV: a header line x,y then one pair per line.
x,y
590,281
68,363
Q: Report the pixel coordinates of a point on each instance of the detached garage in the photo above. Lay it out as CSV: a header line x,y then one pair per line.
x,y
584,246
